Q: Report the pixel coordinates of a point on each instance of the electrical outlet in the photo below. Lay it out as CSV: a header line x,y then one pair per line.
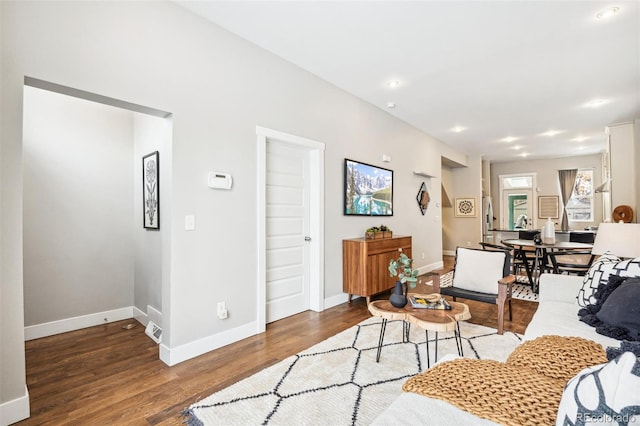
x,y
422,255
222,310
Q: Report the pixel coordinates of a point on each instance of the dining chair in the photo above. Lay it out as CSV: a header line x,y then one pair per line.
x,y
518,262
524,257
572,261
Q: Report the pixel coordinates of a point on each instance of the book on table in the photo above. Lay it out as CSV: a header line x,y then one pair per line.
x,y
421,302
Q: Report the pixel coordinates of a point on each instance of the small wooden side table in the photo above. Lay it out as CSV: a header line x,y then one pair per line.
x,y
427,319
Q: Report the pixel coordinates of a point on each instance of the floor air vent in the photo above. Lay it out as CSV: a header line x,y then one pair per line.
x,y
154,332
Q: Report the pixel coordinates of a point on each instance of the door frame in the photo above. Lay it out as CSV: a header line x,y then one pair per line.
x,y
316,219
531,191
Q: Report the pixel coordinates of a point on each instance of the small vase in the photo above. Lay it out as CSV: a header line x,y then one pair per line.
x,y
399,296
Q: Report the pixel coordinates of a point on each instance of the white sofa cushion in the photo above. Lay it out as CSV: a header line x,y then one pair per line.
x,y
561,319
558,311
558,288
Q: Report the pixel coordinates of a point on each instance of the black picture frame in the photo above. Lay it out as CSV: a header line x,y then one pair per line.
x,y
368,189
151,190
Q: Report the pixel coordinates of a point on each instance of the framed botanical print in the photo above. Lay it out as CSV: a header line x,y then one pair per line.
x,y
466,207
151,190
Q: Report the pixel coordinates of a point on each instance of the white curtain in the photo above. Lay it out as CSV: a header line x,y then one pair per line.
x,y
567,182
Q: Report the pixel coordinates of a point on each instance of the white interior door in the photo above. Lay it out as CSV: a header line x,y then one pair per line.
x,y
287,230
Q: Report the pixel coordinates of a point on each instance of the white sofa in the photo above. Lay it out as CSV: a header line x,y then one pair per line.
x,y
557,314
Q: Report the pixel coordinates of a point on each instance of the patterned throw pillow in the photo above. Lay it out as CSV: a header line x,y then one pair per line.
x,y
606,394
598,272
627,268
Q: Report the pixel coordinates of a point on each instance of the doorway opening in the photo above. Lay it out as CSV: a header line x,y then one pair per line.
x,y
87,258
517,202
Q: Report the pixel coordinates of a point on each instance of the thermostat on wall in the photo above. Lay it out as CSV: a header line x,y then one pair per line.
x,y
219,180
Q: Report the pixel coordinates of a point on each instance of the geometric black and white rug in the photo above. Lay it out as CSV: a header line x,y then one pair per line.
x,y
523,292
337,381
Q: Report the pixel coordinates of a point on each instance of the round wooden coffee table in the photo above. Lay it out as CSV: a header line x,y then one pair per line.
x,y
435,320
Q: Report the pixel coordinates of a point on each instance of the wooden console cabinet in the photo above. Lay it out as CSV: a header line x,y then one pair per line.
x,y
365,264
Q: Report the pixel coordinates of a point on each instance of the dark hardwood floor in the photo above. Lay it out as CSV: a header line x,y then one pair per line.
x,y
108,375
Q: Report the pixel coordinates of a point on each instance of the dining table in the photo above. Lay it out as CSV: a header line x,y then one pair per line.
x,y
541,250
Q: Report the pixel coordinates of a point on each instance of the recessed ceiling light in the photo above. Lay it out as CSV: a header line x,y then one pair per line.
x,y
551,132
595,103
458,129
607,13
524,154
393,83
391,105
509,139
579,139
516,147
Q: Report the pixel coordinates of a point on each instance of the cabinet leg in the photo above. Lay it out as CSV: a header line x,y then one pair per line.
x,y
350,297
368,300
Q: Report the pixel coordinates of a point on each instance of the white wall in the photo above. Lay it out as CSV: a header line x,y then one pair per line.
x,y
218,88
624,182
150,134
547,183
462,182
448,222
78,212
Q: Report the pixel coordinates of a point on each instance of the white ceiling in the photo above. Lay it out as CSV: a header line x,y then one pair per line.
x,y
498,68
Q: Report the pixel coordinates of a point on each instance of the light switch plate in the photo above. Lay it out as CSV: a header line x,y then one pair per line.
x,y
189,222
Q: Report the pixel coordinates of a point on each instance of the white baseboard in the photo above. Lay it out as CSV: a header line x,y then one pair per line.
x,y
430,267
336,300
449,252
15,410
76,323
178,354
173,356
152,314
140,316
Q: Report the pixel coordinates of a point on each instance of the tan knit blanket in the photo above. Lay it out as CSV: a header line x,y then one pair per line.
x,y
524,390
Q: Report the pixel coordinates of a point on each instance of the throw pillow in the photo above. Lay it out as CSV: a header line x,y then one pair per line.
x,y
600,295
606,394
598,272
620,312
628,268
625,346
616,315
470,261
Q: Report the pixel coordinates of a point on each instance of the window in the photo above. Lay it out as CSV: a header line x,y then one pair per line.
x,y
580,205
514,182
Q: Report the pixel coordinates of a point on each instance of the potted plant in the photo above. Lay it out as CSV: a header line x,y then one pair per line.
x,y
401,268
375,232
